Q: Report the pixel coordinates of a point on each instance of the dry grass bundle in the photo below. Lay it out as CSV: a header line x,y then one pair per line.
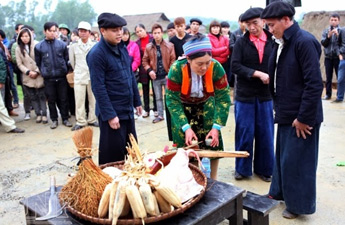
x,y
84,191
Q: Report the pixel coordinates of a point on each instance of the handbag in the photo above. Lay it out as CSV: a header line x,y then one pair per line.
x,y
70,79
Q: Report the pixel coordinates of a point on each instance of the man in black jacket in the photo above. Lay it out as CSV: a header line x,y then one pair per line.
x,y
330,42
253,105
51,56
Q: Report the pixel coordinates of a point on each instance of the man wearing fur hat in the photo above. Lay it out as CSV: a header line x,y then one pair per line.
x,y
115,89
253,101
296,86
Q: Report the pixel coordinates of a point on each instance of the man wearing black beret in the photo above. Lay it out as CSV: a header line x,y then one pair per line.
x,y
195,24
114,87
253,101
296,86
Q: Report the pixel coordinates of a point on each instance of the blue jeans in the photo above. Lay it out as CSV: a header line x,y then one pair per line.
x,y
341,80
254,124
158,86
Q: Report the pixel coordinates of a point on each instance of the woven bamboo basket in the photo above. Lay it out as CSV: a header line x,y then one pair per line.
x,y
199,177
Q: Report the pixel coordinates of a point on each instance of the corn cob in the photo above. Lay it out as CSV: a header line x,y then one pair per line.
x,y
169,195
146,196
112,198
157,212
104,203
135,201
119,202
164,206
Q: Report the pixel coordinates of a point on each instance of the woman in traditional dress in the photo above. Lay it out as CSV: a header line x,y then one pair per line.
x,y
197,97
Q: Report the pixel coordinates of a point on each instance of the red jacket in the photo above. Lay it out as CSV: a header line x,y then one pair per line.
x,y
220,47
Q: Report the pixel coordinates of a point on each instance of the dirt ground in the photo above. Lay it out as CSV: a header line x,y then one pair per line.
x,y
28,160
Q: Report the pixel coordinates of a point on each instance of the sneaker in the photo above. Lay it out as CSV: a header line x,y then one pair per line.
x,y
67,123
337,101
145,114
76,127
155,113
17,130
27,116
38,119
238,176
54,125
44,120
94,124
265,178
158,119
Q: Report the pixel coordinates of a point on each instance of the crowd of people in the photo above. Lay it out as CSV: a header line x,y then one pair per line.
x,y
272,64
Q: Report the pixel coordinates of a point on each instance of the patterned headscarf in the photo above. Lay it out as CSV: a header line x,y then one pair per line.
x,y
196,45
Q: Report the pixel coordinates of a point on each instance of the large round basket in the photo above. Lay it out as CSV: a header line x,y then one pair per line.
x,y
199,176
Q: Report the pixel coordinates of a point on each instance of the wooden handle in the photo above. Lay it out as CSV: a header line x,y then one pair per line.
x,y
223,154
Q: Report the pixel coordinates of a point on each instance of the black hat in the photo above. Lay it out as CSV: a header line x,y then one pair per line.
x,y
277,10
251,13
170,26
224,24
110,20
195,20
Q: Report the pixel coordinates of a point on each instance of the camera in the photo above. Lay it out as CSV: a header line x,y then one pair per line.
x,y
332,27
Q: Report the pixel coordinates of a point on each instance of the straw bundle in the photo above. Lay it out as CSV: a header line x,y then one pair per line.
x,y
84,191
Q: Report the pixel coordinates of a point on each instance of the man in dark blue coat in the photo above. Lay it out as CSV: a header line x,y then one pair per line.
x,y
296,85
114,87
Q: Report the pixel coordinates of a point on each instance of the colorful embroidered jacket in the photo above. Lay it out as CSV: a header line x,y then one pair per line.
x,y
216,96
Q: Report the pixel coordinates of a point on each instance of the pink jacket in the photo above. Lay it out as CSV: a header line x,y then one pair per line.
x,y
134,53
220,48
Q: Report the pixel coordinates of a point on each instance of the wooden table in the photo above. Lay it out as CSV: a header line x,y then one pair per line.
x,y
221,201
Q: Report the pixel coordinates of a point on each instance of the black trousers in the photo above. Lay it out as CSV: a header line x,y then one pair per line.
x,y
112,143
57,95
146,96
330,64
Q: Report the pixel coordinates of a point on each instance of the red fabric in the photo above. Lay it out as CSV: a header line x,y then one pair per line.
x,y
144,42
259,43
221,83
220,48
172,86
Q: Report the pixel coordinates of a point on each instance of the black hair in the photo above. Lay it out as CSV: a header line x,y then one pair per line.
x,y
28,27
16,27
335,15
139,25
2,34
20,42
49,25
126,31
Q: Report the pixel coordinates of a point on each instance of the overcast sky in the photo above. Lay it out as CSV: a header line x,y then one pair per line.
x,y
219,9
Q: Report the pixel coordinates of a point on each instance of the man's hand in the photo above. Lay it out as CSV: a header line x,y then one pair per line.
x,y
139,110
264,77
152,75
114,123
1,85
301,129
333,31
189,136
214,134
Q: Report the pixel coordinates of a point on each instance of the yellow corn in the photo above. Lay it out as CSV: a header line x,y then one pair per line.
x,y
169,195
164,206
135,201
157,212
112,198
146,196
104,203
119,202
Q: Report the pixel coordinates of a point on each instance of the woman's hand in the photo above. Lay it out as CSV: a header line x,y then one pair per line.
x,y
214,135
189,136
